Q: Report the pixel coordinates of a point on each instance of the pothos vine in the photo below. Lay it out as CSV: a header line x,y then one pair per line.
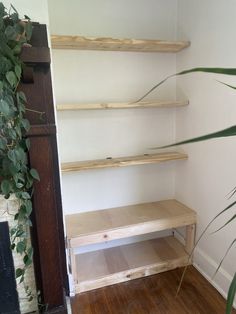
x,y
16,176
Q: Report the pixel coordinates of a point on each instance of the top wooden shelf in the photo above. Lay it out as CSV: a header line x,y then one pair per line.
x,y
121,222
113,44
123,105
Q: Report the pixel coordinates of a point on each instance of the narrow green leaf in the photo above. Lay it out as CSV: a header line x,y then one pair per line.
x,y
27,143
224,210
225,71
231,295
22,279
2,10
231,131
14,9
230,86
34,174
18,71
230,220
226,253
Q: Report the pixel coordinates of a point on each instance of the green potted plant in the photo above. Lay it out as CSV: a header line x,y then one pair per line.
x,y
230,131
16,177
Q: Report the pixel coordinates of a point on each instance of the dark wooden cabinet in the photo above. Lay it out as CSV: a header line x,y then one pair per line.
x,y
47,217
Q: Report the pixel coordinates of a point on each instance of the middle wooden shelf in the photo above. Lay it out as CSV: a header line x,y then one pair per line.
x,y
122,161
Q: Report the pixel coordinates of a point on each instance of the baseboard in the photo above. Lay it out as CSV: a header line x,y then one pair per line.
x,y
207,266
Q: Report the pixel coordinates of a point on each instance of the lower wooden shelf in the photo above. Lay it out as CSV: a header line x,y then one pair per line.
x,y
118,264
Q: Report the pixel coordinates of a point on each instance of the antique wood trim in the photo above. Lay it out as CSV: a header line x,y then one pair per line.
x,y
48,230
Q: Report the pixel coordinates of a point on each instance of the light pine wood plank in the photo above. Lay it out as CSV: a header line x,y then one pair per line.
x,y
138,260
125,105
113,44
154,295
190,238
122,161
116,223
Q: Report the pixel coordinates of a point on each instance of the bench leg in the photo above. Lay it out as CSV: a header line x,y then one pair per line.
x,y
190,238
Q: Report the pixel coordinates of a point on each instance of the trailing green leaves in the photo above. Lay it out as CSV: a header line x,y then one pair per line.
x,y
16,177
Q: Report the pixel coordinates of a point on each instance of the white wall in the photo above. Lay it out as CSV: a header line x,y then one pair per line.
x,y
94,76
204,181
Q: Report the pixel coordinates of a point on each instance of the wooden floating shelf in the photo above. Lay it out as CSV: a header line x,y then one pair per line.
x,y
112,44
116,223
125,105
114,265
122,161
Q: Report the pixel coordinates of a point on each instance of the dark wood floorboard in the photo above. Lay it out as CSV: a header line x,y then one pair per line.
x,y
154,295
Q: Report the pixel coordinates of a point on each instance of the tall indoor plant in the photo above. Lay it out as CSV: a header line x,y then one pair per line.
x,y
230,131
16,177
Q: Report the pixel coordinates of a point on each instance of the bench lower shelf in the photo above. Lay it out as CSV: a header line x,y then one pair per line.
x,y
118,264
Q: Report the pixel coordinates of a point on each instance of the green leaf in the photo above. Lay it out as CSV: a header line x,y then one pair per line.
x,y
22,279
19,272
27,143
231,295
34,174
11,78
2,10
230,220
4,107
231,131
30,252
225,71
27,207
20,247
25,195
25,124
3,143
6,187
27,260
11,33
14,9
18,71
226,253
230,86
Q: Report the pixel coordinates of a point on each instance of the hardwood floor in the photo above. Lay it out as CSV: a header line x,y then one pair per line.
x,y
153,295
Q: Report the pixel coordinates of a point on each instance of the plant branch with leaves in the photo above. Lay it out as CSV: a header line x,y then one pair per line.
x,y
16,176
